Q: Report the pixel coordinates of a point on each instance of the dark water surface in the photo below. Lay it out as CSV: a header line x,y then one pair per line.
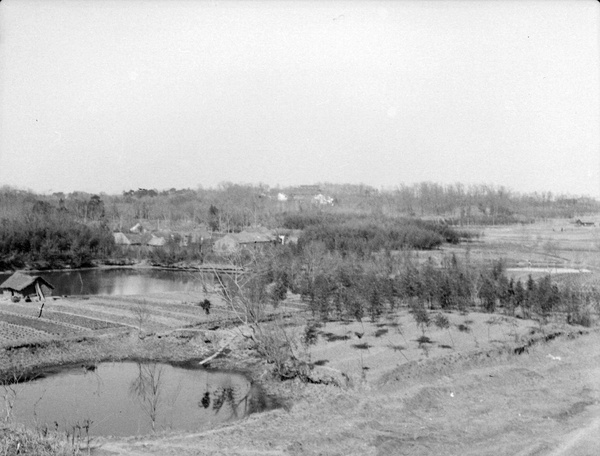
x,y
118,281
132,398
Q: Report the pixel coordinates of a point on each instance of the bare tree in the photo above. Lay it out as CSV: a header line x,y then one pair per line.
x,y
147,387
141,313
243,287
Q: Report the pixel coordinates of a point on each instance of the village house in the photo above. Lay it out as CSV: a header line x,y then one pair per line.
x,y
26,286
233,242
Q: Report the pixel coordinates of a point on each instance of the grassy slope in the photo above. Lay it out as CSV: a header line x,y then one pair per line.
x,y
543,402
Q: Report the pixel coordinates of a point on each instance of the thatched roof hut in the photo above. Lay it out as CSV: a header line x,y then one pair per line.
x,y
26,285
232,242
121,239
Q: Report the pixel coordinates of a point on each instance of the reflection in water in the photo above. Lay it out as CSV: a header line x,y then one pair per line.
x,y
137,398
147,388
234,395
118,282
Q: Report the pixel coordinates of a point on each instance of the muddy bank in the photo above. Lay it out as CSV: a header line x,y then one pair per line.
x,y
497,404
179,348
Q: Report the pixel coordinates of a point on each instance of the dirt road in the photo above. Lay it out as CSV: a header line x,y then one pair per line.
x,y
543,402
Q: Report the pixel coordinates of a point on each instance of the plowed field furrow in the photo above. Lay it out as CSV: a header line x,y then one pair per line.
x,y
65,319
78,320
116,314
123,318
40,324
107,310
198,315
186,309
53,313
124,304
10,332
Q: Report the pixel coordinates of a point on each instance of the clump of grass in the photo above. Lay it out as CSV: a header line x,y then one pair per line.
x,y
331,337
17,440
424,340
396,347
380,332
463,328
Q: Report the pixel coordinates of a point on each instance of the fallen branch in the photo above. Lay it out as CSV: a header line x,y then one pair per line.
x,y
218,352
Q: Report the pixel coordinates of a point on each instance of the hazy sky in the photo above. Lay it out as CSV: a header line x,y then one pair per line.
x,y
101,95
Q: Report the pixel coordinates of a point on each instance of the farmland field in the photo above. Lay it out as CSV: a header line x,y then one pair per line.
x,y
485,383
568,252
39,324
11,332
554,247
71,316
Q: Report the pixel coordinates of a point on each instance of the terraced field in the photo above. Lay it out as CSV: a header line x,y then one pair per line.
x,y
65,317
10,333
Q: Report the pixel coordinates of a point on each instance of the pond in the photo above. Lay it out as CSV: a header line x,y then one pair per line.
x,y
130,398
119,281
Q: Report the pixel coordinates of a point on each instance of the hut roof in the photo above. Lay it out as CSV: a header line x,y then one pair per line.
x,y
246,237
121,239
19,281
157,241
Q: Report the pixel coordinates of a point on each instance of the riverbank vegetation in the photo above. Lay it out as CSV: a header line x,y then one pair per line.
x,y
377,273
74,230
37,234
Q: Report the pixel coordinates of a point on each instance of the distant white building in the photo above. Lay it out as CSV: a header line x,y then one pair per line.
x,y
323,200
282,197
138,228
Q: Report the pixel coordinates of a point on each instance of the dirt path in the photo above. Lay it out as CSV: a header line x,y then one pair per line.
x,y
544,402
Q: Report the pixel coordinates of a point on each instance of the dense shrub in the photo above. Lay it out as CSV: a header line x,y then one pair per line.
x,y
52,240
363,238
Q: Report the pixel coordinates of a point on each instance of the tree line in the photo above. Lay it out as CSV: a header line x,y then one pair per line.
x,y
43,236
337,286
232,207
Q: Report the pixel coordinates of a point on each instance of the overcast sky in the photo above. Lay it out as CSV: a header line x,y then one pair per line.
x,y
111,95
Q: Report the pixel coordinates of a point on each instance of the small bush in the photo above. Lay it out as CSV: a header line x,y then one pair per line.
x,y
20,441
583,318
311,334
463,328
206,305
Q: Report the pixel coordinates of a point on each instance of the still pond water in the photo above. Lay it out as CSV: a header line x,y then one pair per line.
x,y
132,398
119,281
